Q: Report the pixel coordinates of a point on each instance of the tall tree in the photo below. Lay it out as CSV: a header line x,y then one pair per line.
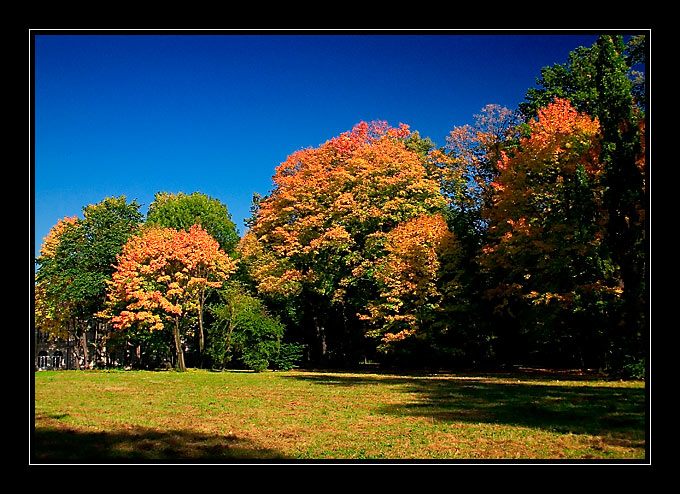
x,y
318,236
599,82
547,229
158,278
181,211
625,194
76,261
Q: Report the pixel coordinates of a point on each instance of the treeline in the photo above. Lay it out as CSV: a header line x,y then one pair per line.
x,y
521,241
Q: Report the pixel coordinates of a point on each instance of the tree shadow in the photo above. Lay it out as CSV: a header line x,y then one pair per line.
x,y
616,414
58,443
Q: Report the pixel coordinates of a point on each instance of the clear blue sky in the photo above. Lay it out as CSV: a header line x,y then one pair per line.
x,y
121,114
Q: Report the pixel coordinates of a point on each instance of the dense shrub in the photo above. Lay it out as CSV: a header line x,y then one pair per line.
x,y
243,331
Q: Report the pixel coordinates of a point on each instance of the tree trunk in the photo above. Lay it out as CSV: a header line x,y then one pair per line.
x,y
133,355
201,337
227,345
178,347
83,345
320,338
73,331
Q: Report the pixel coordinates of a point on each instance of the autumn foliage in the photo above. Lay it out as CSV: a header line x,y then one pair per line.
x,y
546,251
51,241
334,214
548,212
159,277
521,240
414,278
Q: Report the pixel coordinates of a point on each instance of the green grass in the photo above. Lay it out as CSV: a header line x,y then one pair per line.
x,y
99,416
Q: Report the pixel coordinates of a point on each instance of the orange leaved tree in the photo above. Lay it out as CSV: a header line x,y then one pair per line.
x,y
317,239
416,276
159,279
547,229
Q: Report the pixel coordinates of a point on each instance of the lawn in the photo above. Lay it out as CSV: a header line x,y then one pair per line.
x,y
203,416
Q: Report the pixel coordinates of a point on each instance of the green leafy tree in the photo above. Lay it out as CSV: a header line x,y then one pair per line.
x,y
625,193
76,262
181,211
599,82
288,356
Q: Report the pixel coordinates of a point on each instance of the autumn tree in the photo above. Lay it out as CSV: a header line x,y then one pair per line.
x,y
181,211
417,282
317,240
158,280
74,265
547,232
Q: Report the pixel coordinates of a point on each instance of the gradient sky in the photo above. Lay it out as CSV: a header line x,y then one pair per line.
x,y
122,114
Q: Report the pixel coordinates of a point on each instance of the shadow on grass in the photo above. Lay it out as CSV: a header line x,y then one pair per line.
x,y
616,414
64,444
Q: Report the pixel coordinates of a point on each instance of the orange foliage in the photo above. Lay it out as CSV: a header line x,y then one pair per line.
x,y
548,207
159,275
51,240
409,275
331,208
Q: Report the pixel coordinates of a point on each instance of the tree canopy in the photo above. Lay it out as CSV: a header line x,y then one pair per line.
x,y
319,237
522,240
75,263
181,211
159,277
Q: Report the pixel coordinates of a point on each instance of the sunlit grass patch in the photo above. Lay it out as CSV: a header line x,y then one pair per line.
x,y
297,415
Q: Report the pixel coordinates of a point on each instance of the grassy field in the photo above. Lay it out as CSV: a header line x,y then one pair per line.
x,y
203,416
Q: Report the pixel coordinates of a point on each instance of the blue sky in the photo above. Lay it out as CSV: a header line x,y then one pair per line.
x,y
122,114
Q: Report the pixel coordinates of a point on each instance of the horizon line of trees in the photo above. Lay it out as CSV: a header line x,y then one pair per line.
x,y
521,241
